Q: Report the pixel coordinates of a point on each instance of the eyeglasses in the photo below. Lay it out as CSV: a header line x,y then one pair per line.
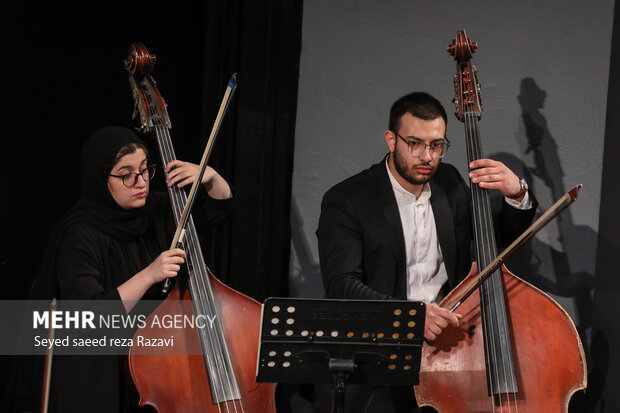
x,y
131,179
437,149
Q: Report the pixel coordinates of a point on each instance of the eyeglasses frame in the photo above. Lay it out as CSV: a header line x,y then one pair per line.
x,y
446,144
136,174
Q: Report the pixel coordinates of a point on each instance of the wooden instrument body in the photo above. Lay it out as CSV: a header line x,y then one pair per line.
x,y
546,351
184,376
516,349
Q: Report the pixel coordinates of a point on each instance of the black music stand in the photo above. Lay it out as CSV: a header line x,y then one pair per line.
x,y
374,342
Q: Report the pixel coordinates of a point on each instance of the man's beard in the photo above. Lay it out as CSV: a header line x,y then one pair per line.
x,y
401,167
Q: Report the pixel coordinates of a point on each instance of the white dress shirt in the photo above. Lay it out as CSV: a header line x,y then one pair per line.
x,y
426,272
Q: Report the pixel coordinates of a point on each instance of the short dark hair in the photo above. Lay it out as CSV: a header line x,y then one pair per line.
x,y
419,104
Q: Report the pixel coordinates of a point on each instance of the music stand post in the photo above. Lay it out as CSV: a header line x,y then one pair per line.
x,y
375,342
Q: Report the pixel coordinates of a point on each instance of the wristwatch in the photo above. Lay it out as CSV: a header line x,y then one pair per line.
x,y
523,189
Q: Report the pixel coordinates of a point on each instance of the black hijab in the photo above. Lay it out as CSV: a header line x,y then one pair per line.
x,y
96,205
92,382
124,242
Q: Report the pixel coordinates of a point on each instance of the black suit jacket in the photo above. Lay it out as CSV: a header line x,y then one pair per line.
x,y
361,242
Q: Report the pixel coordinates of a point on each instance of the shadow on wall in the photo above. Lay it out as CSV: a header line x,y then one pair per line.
x,y
305,272
570,243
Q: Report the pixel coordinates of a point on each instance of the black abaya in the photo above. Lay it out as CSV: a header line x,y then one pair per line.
x,y
94,249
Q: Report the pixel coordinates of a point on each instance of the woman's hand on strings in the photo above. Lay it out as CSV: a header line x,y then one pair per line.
x,y
182,173
490,174
437,319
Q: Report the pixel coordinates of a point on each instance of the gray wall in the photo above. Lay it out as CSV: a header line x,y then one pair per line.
x,y
544,70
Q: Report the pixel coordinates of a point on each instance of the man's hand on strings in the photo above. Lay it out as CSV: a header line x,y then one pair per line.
x,y
490,174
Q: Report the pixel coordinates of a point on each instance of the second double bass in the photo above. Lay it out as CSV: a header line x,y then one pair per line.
x,y
515,348
221,377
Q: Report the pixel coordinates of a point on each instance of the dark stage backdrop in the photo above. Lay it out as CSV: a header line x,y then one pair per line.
x,y
604,377
67,80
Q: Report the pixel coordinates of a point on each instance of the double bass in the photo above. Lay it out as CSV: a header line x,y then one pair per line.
x,y
515,349
220,375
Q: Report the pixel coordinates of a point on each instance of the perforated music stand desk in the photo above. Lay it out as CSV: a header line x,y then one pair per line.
x,y
375,342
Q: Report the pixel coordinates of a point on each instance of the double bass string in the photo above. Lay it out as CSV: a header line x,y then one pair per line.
x,y
481,226
168,154
486,251
202,296
212,343
483,246
478,217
